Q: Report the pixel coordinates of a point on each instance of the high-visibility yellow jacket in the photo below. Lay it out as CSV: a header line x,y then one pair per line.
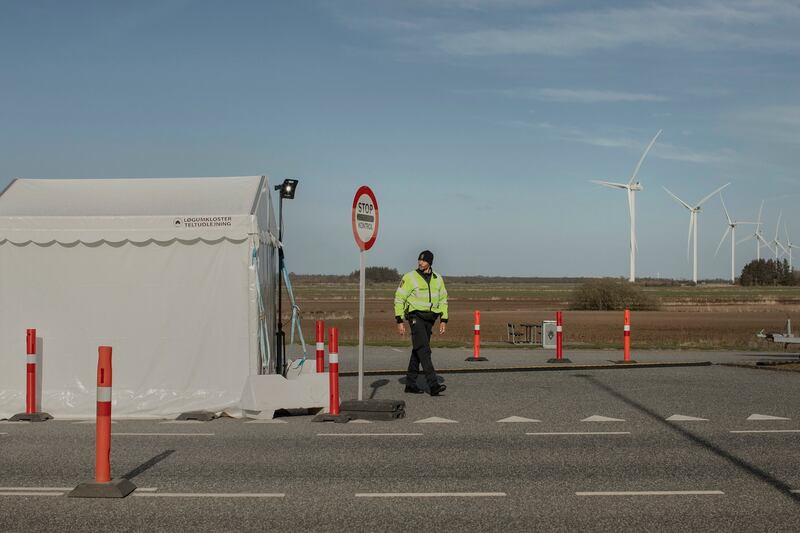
x,y
416,294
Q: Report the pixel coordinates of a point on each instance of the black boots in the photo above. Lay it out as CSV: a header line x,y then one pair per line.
x,y
436,389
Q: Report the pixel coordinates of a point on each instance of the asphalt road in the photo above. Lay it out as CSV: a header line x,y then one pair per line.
x,y
474,473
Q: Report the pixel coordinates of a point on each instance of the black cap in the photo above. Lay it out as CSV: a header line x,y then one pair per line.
x,y
427,256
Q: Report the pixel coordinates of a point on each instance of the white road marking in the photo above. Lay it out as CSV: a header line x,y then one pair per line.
x,y
180,422
398,350
431,495
436,420
766,417
795,491
369,434
654,493
584,433
163,434
210,494
32,493
598,418
3,433
766,431
360,421
61,489
267,421
518,419
685,418
91,422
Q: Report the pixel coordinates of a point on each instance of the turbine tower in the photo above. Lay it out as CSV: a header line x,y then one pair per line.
x,y
732,230
632,187
693,211
789,245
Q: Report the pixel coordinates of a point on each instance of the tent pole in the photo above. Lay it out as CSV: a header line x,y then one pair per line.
x,y
280,336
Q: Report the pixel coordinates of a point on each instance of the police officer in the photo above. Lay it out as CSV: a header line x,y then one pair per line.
x,y
421,298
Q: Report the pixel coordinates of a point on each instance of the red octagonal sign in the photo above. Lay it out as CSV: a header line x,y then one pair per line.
x,y
365,218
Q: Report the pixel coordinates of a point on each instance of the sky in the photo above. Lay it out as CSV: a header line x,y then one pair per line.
x,y
478,124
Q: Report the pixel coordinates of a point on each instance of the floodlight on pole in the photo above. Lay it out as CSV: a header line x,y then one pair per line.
x,y
631,187
286,190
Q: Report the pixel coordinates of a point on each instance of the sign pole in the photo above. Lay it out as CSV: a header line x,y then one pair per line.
x,y
361,298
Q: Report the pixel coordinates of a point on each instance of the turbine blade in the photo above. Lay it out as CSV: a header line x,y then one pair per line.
x,y
684,204
641,159
728,230
759,215
740,241
610,184
689,240
778,225
727,215
704,200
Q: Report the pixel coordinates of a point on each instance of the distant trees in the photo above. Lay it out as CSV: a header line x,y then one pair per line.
x,y
611,295
377,274
767,272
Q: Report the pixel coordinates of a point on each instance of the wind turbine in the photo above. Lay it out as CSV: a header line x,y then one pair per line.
x,y
732,230
631,187
775,240
693,225
789,245
758,235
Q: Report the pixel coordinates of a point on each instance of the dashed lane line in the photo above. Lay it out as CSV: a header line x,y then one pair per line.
x,y
210,494
431,495
369,434
59,489
163,434
21,493
766,431
654,493
581,433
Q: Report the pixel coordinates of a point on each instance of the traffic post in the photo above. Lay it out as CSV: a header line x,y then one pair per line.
x,y
320,346
626,338
103,486
476,342
31,414
334,414
559,340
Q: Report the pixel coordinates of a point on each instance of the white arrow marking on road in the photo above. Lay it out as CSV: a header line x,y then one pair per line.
x,y
598,418
766,417
684,418
436,420
518,419
267,421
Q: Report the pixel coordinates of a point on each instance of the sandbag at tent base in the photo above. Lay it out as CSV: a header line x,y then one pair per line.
x,y
265,395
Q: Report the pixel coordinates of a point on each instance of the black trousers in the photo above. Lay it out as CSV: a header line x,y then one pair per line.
x,y
421,352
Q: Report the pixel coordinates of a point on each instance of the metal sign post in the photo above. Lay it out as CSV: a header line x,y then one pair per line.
x,y
365,232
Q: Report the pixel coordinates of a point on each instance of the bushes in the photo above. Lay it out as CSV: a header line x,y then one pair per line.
x,y
611,295
377,274
767,272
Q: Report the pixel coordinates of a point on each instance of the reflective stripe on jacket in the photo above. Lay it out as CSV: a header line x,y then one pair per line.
x,y
415,294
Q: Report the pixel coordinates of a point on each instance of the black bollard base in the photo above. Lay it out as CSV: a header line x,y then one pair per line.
x,y
475,359
31,417
327,417
562,360
116,488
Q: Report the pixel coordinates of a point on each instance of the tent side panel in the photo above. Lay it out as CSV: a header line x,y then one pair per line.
x,y
176,316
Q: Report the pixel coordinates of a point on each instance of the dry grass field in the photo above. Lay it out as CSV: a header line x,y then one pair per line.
x,y
708,316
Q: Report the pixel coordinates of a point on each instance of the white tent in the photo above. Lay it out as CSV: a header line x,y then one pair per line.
x,y
178,275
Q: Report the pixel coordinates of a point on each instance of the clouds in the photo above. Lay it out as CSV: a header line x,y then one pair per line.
x,y
688,26
586,96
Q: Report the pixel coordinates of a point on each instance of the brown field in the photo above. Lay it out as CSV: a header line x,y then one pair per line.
x,y
704,317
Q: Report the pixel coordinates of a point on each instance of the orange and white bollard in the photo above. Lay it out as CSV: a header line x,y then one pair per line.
x,y
476,343
103,486
320,346
626,342
102,458
333,370
31,414
559,340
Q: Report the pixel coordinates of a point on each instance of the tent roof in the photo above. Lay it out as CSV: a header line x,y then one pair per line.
x,y
131,197
69,211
